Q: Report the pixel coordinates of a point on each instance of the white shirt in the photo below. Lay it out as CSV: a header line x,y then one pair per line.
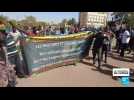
x,y
125,38
16,35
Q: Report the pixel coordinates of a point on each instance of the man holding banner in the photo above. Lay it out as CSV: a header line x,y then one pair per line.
x,y
14,52
7,72
97,48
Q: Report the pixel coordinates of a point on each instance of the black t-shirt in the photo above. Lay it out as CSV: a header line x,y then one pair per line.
x,y
98,43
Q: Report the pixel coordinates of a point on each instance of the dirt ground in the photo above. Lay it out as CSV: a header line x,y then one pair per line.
x,y
82,75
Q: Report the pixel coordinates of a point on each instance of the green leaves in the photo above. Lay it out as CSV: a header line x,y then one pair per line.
x,y
128,17
72,21
3,19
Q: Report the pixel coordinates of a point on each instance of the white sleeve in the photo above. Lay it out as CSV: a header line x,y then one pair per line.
x,y
19,34
10,32
127,33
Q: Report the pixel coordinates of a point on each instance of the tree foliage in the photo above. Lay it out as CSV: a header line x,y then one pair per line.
x,y
72,21
127,17
31,21
14,22
64,21
3,19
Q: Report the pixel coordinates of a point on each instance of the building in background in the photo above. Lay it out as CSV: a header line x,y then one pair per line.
x,y
93,19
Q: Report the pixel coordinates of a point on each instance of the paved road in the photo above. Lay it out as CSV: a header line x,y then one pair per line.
x,y
82,75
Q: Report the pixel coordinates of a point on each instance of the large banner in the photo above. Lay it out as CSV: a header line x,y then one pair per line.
x,y
42,54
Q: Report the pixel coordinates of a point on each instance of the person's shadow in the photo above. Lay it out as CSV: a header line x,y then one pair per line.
x,y
86,63
129,59
107,71
105,68
88,58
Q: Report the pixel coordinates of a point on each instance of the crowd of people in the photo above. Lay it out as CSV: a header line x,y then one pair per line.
x,y
49,30
101,44
125,40
11,49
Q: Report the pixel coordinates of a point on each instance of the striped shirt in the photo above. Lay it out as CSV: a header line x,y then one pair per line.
x,y
11,46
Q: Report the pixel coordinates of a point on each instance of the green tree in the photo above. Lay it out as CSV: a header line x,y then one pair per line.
x,y
41,23
127,17
14,22
23,23
122,16
28,21
72,21
3,19
64,21
130,19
